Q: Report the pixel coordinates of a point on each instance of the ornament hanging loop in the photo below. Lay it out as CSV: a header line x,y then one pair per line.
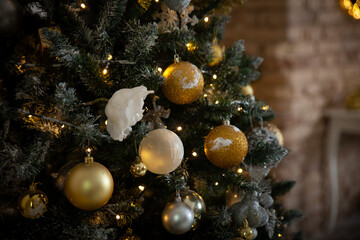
x,y
226,122
177,58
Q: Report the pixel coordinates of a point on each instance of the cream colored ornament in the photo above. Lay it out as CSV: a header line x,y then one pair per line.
x,y
226,146
184,82
247,90
162,151
89,185
124,110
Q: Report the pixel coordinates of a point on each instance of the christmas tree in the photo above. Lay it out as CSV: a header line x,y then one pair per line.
x,y
127,120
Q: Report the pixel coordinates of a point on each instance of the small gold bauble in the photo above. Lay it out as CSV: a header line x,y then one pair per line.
x,y
218,54
138,168
129,235
33,203
247,90
89,185
275,130
226,146
184,83
245,231
233,197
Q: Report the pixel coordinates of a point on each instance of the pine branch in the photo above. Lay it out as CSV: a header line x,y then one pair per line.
x,y
281,188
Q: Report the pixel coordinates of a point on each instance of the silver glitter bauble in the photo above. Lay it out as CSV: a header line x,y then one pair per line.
x,y
262,135
177,218
255,233
177,5
266,200
251,210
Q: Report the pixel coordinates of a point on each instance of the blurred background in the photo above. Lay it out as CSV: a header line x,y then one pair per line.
x,y
311,51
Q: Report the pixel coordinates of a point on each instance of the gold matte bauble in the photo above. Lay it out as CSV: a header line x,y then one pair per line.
x,y
275,130
184,83
194,201
89,186
218,54
138,168
247,90
245,231
226,146
162,151
233,197
130,235
33,203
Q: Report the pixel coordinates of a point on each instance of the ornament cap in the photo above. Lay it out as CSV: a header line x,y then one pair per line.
x,y
177,58
226,122
89,159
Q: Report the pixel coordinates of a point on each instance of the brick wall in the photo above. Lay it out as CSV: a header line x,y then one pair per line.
x,y
312,54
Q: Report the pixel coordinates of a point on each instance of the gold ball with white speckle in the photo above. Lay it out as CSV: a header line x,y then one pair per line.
x,y
89,186
184,83
226,146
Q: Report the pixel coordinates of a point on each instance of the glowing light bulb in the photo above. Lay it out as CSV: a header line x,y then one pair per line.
x,y
347,4
211,85
265,107
159,69
141,188
118,217
216,183
205,95
110,57
30,116
356,11
88,150
105,71
206,19
194,154
82,5
239,109
106,122
179,128
214,76
216,102
156,1
279,235
240,170
62,126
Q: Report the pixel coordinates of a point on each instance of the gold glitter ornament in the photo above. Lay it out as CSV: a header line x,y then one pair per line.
x,y
138,168
218,54
129,235
184,82
33,203
246,232
89,185
226,146
247,90
276,131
